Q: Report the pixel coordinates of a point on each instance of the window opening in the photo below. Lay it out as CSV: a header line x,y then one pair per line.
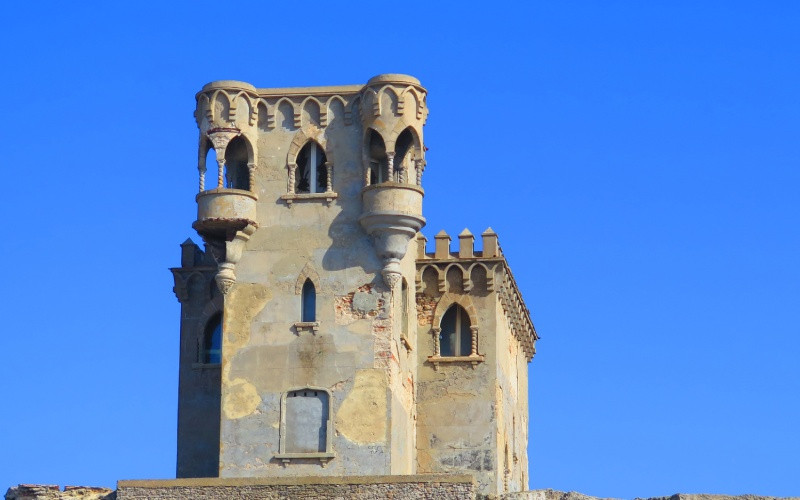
x,y
306,421
237,174
212,341
309,302
402,158
455,338
378,161
312,175
209,176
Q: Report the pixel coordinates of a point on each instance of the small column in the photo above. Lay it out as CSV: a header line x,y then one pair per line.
x,y
436,348
403,169
419,166
389,166
202,179
251,170
490,246
329,179
474,330
292,169
367,176
220,173
442,245
466,241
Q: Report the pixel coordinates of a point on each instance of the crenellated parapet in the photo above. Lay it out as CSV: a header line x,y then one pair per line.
x,y
464,270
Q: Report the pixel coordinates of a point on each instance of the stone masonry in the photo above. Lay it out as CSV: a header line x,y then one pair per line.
x,y
319,337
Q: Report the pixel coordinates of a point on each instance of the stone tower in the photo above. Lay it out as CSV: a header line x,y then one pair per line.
x,y
318,338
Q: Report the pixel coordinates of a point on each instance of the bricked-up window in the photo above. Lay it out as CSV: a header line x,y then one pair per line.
x,y
309,302
455,339
306,421
212,341
312,175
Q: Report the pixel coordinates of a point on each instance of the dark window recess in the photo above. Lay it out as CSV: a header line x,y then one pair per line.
x,y
312,174
212,341
309,305
455,338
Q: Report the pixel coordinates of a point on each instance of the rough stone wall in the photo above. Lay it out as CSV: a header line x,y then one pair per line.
x,y
512,404
53,492
198,383
354,352
364,488
572,495
456,402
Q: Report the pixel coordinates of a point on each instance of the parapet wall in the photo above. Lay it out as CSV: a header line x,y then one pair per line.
x,y
444,487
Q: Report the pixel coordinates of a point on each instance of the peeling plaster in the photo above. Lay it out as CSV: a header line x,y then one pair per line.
x,y
362,416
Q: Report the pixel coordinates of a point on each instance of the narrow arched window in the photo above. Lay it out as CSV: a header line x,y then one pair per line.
x,y
378,161
212,341
237,173
455,338
309,302
312,175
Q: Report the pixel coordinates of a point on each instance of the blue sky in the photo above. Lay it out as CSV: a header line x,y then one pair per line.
x,y
639,161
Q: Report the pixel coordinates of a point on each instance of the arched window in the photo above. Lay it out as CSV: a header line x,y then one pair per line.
x,y
455,338
237,173
378,161
212,341
309,302
312,175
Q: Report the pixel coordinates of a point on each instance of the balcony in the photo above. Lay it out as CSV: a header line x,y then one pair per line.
x,y
222,212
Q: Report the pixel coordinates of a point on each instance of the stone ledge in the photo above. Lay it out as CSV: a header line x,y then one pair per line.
x,y
281,481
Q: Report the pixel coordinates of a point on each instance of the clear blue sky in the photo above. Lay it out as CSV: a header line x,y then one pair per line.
x,y
639,160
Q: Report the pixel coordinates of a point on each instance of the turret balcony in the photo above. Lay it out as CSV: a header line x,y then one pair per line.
x,y
392,215
222,212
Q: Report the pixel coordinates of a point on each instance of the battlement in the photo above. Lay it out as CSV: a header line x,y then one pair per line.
x,y
464,267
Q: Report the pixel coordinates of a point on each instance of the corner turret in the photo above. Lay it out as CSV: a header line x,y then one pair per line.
x,y
393,112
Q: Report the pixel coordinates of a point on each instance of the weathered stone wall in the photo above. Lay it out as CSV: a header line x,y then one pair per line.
x,y
446,487
53,492
456,402
357,488
572,495
511,400
198,382
353,351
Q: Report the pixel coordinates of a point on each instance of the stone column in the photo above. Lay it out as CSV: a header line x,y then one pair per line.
x,y
251,170
419,166
389,166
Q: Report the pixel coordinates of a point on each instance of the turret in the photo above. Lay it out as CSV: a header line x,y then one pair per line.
x,y
226,203
393,112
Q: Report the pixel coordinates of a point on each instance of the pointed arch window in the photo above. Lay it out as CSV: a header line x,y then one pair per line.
x,y
309,302
455,337
212,341
312,171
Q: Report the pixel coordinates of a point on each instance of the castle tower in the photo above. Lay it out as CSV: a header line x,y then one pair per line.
x,y
313,339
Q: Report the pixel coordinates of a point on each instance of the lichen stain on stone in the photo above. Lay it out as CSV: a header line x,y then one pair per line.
x,y
244,302
362,415
240,399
